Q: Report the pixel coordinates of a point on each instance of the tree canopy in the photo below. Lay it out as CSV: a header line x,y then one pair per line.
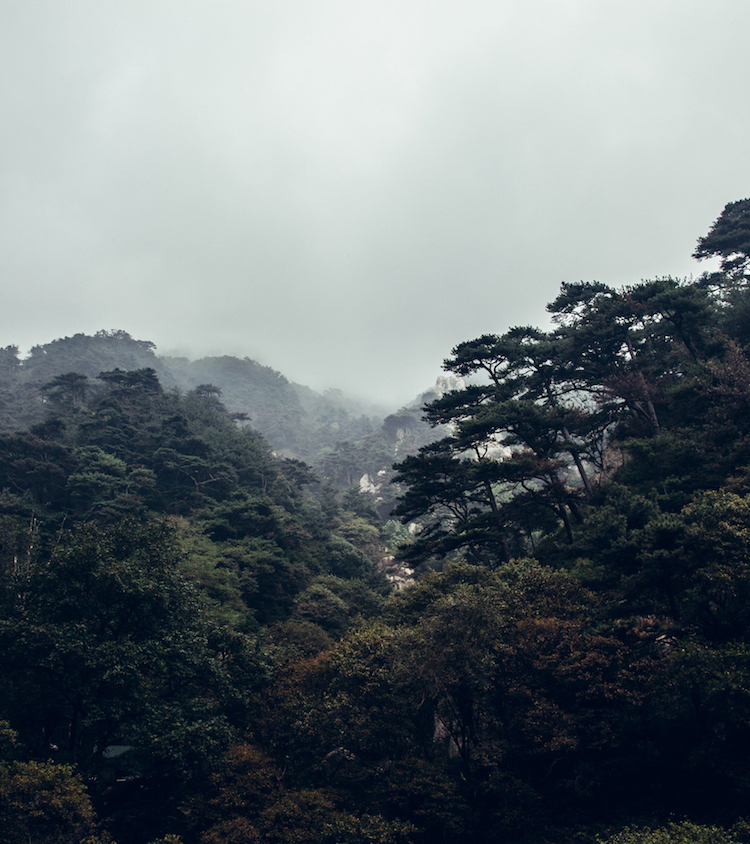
x,y
199,645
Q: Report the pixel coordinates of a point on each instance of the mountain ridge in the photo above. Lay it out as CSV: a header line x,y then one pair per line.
x,y
344,437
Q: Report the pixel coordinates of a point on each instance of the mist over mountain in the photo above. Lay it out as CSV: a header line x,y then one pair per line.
x,y
263,578
296,420
514,610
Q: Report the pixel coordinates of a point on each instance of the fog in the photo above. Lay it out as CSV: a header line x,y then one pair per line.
x,y
345,190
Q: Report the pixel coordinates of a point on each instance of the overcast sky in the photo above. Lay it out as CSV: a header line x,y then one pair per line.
x,y
345,189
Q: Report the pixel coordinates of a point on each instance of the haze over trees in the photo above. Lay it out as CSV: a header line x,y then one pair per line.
x,y
297,420
197,638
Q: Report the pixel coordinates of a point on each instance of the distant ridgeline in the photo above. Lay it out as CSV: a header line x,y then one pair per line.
x,y
349,445
201,642
295,419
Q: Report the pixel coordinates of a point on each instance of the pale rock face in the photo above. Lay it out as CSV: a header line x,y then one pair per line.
x,y
448,383
497,451
398,574
373,484
367,485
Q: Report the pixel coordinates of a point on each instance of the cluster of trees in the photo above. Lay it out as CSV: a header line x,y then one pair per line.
x,y
197,645
155,559
296,420
340,437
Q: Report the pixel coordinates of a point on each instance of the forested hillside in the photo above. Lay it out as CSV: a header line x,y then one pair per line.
x,y
296,420
198,642
342,438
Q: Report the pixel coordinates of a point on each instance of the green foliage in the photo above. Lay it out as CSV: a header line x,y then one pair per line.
x,y
250,804
9,747
201,626
394,534
102,487
220,584
332,603
106,643
482,684
321,606
729,237
673,833
44,803
296,639
122,629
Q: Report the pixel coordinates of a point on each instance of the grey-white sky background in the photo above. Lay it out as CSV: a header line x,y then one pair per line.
x,y
345,189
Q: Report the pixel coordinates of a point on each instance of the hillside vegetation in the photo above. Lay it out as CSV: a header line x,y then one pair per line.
x,y
198,642
296,420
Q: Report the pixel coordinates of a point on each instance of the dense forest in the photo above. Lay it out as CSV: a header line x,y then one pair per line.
x,y
342,438
295,420
201,638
